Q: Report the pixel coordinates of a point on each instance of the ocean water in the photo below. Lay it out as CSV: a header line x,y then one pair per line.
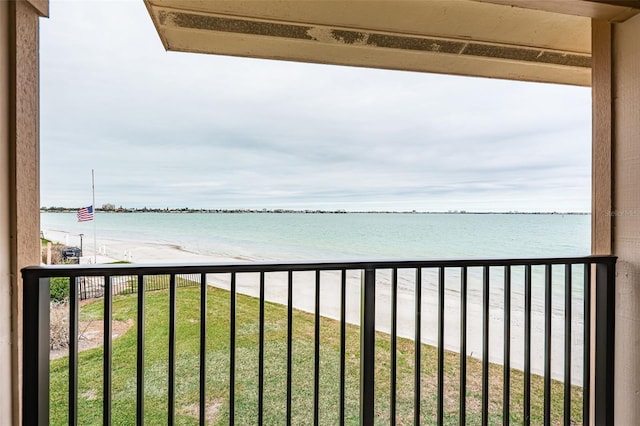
x,y
354,236
294,236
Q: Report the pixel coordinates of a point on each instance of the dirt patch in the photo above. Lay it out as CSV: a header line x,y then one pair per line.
x,y
91,335
90,395
211,410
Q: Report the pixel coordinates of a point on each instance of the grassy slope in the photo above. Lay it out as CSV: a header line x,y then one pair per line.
x,y
188,303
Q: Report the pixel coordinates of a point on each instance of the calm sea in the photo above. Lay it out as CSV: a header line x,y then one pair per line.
x,y
283,236
392,236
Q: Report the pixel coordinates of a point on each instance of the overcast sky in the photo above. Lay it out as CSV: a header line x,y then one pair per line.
x,y
166,129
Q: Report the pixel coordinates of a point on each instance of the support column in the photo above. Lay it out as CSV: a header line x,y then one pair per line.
x,y
602,139
616,74
602,209
5,252
20,183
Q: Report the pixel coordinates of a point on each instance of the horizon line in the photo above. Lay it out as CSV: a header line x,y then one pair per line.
x,y
288,210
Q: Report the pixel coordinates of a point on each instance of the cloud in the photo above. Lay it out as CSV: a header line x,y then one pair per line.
x,y
167,129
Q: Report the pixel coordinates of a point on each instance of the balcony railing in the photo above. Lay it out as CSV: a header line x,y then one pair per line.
x,y
454,306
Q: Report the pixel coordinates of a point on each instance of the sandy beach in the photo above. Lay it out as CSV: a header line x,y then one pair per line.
x,y
110,250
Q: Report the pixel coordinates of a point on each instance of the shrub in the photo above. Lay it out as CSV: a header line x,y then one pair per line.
x,y
59,325
59,289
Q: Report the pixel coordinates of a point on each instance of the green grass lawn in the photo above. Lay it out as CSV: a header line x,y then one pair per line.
x,y
217,367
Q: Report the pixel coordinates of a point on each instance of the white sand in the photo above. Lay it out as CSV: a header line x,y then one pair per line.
x,y
304,296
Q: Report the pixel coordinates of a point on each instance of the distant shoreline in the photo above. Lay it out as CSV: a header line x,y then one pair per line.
x,y
291,211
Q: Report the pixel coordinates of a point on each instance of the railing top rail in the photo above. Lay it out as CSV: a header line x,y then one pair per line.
x,y
262,266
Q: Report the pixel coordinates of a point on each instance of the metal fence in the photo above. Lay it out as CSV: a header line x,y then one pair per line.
x,y
92,287
473,294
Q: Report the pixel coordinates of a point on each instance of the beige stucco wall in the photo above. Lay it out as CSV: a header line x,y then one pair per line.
x,y
5,264
626,220
19,183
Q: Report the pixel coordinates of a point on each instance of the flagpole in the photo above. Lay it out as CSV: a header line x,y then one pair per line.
x,y
95,242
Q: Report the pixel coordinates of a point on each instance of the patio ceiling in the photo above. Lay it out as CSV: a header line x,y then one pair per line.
x,y
489,38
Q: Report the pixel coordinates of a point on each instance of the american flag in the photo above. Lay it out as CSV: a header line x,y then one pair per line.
x,y
85,214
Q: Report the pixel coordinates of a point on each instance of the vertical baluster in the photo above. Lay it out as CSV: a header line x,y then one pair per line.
x,y
261,353
35,355
107,355
367,347
394,344
417,338
74,316
441,278
506,386
605,294
316,354
140,352
567,345
171,400
485,345
203,349
547,344
232,350
463,346
289,341
343,340
586,363
527,346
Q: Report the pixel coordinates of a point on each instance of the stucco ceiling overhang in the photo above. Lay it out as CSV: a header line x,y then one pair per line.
x,y
489,38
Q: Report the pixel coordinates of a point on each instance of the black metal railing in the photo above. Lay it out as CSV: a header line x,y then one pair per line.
x,y
494,296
